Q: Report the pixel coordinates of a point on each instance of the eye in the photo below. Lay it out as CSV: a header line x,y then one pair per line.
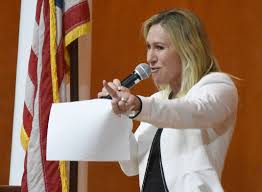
x,y
148,46
159,47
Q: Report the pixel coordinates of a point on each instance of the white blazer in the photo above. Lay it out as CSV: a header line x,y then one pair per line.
x,y
196,135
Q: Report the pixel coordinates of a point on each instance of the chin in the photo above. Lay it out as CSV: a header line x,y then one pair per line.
x,y
156,79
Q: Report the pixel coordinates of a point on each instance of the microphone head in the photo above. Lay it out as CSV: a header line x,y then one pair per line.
x,y
143,70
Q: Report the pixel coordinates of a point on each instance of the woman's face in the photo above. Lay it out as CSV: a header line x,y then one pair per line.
x,y
163,57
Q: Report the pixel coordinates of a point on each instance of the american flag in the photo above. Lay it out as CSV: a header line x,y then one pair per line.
x,y
57,24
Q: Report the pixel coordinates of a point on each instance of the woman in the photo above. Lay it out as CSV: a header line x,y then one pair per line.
x,y
186,127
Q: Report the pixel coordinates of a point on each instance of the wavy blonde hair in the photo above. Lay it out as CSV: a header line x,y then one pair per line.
x,y
190,39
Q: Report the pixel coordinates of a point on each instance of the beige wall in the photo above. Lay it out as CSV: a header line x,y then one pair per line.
x,y
9,20
234,29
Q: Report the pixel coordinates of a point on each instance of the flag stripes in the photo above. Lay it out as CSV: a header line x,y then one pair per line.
x,y
45,84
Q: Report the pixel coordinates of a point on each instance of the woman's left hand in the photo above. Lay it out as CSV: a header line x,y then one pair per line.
x,y
123,101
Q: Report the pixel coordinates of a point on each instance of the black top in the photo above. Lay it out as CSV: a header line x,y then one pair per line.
x,y
154,180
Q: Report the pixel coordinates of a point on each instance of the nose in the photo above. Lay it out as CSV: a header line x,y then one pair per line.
x,y
151,57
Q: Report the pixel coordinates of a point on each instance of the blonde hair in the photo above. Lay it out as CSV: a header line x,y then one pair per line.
x,y
190,39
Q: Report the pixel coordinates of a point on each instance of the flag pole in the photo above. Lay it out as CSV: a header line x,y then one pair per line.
x,y
74,96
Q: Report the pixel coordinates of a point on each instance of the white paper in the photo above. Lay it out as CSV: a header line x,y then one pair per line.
x,y
87,131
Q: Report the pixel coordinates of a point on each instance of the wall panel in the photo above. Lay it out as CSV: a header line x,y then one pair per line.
x,y
234,29
9,19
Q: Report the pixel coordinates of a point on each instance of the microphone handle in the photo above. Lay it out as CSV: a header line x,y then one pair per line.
x,y
106,97
131,80
128,82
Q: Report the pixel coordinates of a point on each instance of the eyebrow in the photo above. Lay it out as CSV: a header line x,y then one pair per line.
x,y
156,43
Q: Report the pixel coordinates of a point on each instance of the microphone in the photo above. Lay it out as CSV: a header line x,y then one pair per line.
x,y
141,72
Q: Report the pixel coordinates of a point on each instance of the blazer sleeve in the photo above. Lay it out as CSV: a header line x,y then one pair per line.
x,y
208,104
130,167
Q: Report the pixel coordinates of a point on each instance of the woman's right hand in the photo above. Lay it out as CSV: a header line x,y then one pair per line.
x,y
122,100
113,85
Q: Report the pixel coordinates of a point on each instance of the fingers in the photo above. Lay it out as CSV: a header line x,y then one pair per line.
x,y
111,89
122,105
130,104
133,103
101,94
115,106
117,82
113,85
127,103
123,89
122,100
